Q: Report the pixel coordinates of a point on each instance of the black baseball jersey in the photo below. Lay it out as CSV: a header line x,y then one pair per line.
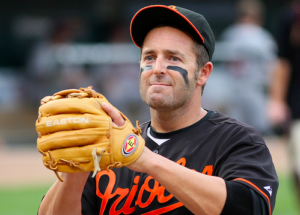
x,y
216,145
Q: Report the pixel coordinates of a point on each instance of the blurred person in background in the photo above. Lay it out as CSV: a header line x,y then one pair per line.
x,y
284,107
251,54
42,66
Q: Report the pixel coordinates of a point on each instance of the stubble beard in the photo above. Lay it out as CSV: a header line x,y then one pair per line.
x,y
163,102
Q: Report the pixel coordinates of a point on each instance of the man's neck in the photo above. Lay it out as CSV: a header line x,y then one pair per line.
x,y
167,121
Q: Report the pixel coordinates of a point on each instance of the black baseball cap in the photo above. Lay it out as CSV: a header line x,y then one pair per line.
x,y
194,23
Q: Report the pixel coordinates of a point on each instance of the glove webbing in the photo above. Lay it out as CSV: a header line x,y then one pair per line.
x,y
87,92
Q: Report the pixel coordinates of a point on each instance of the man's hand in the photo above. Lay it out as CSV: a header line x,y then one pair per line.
x,y
114,114
278,112
141,163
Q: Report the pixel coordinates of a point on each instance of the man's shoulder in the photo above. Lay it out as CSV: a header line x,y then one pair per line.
x,y
222,119
234,128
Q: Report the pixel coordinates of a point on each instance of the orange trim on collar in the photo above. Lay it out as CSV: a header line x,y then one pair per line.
x,y
172,7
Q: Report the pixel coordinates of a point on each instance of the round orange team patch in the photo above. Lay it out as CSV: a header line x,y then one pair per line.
x,y
129,145
173,7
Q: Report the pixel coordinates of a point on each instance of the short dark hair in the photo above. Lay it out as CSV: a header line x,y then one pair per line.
x,y
202,58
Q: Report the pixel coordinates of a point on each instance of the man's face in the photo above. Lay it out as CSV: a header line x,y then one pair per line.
x,y
168,66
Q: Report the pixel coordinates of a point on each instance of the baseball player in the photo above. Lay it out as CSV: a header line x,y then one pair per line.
x,y
196,161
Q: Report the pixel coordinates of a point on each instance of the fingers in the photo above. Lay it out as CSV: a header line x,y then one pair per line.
x,y
114,114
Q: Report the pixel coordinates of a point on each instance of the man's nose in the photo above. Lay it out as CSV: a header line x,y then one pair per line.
x,y
159,68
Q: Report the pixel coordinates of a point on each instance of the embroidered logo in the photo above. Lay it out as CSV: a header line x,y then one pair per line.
x,y
129,145
149,192
269,189
66,121
172,7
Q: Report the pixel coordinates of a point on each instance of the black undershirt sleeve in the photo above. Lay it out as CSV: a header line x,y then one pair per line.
x,y
243,200
259,205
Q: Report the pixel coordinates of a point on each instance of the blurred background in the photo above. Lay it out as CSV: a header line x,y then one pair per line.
x,y
47,46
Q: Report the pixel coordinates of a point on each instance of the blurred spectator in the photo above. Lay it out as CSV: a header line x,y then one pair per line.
x,y
10,82
284,108
42,65
251,52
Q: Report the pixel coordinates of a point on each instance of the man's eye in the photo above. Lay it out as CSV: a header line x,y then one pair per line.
x,y
174,59
149,58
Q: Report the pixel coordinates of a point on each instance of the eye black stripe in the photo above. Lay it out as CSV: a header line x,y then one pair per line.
x,y
182,71
146,68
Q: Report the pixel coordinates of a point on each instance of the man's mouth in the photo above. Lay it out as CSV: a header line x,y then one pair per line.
x,y
159,84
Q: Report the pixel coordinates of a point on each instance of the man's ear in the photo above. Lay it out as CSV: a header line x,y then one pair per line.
x,y
204,73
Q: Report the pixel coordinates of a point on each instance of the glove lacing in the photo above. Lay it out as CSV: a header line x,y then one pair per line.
x,y
51,164
87,92
137,130
97,159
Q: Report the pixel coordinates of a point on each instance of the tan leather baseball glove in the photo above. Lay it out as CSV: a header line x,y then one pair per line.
x,y
77,135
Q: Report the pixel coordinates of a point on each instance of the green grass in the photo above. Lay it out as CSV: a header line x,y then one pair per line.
x,y
21,200
26,200
286,201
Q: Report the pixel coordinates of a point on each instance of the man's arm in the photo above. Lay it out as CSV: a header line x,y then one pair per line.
x,y
278,110
200,193
65,197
